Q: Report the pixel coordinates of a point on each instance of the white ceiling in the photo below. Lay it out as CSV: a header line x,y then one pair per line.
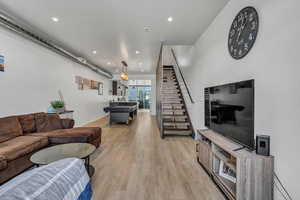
x,y
115,28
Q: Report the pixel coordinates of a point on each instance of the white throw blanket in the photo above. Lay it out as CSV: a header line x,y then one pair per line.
x,y
62,180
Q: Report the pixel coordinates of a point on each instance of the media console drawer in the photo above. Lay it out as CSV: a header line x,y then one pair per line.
x,y
204,155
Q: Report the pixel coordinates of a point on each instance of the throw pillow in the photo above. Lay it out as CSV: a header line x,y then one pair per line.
x,y
47,122
9,128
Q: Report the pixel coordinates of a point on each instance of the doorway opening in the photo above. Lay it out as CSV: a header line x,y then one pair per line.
x,y
140,91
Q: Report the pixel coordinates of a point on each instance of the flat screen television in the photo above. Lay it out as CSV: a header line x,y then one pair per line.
x,y
229,110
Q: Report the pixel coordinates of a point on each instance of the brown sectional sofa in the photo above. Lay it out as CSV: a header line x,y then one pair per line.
x,y
23,135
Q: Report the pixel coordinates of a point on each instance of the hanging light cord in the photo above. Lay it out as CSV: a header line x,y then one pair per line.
x,y
284,193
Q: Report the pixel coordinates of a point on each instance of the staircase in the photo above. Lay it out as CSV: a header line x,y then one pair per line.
x,y
175,118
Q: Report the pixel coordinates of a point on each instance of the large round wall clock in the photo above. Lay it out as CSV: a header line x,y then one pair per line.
x,y
243,33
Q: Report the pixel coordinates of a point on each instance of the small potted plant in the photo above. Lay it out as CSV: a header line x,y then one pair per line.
x,y
59,106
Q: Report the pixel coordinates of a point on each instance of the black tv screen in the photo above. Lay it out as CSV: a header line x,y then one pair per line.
x,y
229,110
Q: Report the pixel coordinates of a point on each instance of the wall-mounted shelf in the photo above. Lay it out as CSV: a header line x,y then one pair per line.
x,y
241,175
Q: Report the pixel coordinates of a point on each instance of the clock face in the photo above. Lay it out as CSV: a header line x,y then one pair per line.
x,y
243,33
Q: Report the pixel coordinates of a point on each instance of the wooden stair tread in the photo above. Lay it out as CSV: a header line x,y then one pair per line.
x,y
173,107
183,116
172,98
185,132
170,91
167,111
168,68
176,123
170,88
172,104
170,85
176,104
175,96
170,112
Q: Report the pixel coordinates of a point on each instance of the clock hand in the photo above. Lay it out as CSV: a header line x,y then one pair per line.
x,y
241,29
238,37
244,24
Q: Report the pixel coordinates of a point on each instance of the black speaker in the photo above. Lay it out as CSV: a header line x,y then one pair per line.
x,y
263,145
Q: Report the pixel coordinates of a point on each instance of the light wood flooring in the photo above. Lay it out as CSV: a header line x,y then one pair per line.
x,y
134,163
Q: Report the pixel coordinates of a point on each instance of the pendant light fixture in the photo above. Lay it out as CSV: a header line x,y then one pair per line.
x,y
124,72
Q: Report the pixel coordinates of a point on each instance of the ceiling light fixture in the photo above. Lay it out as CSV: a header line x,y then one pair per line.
x,y
137,52
124,72
170,19
109,63
55,19
140,63
146,29
94,52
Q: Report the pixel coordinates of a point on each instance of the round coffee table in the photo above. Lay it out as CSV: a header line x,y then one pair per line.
x,y
62,151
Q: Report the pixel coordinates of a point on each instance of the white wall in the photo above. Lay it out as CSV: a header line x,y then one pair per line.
x,y
33,76
273,63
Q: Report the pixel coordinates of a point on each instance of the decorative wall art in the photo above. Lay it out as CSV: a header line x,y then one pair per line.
x,y
94,85
1,63
100,88
87,84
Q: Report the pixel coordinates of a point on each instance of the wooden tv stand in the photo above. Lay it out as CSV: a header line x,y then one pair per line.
x,y
254,173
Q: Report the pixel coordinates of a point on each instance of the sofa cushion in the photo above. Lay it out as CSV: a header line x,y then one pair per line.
x,y
3,162
9,128
92,133
55,140
67,123
47,122
27,123
21,146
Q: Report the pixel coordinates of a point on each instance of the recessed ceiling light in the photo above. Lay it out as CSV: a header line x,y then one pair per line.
x,y
109,63
170,19
137,52
94,52
146,29
55,19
